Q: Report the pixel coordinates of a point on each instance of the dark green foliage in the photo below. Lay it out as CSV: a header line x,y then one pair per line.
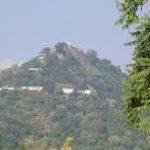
x,y
137,86
130,11
137,105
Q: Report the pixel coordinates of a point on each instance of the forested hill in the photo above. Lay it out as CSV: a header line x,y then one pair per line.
x,y
65,66
64,92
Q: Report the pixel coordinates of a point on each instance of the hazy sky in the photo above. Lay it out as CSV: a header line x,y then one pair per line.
x,y
28,25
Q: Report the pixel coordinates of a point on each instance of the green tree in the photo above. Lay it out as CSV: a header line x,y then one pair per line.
x,y
2,141
92,56
137,86
68,144
130,11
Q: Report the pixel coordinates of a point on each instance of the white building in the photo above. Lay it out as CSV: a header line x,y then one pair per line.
x,y
68,43
28,88
7,88
86,92
67,90
32,88
34,69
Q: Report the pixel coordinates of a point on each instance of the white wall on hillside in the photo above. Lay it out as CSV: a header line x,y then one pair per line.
x,y
67,90
28,88
7,88
86,92
32,88
34,69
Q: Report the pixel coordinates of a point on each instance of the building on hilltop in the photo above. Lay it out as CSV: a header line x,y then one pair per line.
x,y
48,50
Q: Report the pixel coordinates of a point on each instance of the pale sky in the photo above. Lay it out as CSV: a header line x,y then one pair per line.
x,y
28,25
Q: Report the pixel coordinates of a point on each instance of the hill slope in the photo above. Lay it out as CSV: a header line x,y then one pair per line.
x,y
64,92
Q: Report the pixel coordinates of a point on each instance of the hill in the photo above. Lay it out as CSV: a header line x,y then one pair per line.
x,y
64,92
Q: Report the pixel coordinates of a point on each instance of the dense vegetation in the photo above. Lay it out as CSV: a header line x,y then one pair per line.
x,y
137,86
43,120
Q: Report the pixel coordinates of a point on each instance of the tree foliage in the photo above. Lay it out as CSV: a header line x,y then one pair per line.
x,y
68,144
137,86
130,11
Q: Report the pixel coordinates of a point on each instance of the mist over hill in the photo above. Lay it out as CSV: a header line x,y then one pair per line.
x,y
64,92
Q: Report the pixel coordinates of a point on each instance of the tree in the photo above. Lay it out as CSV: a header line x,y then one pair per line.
x,y
92,56
2,141
130,11
68,144
137,86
